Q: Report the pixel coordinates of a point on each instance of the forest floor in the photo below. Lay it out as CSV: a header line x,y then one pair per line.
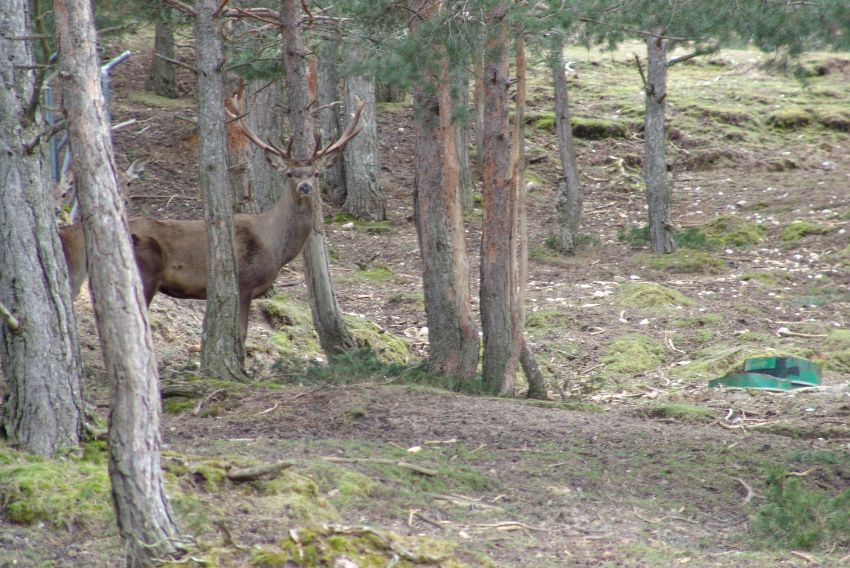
x,y
634,461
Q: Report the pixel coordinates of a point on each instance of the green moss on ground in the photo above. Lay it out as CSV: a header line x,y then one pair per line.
x,y
152,100
789,118
66,493
799,229
363,547
598,129
375,275
768,279
547,319
680,411
297,344
685,261
726,231
633,354
651,297
835,120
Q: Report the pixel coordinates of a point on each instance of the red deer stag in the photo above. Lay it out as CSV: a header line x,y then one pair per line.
x,y
172,255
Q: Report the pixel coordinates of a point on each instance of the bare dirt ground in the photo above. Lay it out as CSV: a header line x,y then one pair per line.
x,y
632,463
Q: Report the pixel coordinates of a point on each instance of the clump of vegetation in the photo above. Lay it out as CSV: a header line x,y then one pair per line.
x,y
352,366
598,129
699,320
650,296
297,497
727,115
797,518
546,319
799,229
633,353
372,227
727,230
297,344
375,275
768,279
678,411
685,261
67,493
361,546
835,120
789,118
150,99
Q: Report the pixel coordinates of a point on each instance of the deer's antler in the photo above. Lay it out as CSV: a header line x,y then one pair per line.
x,y
349,133
239,117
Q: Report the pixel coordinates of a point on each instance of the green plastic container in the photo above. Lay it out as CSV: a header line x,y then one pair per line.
x,y
773,374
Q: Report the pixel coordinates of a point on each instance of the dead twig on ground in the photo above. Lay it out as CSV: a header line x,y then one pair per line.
x,y
251,473
750,492
384,461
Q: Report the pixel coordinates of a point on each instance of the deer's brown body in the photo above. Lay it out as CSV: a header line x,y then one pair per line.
x,y
172,255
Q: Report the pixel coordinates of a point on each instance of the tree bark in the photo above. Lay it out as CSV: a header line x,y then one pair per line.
x,y
222,353
144,518
365,197
466,185
328,94
658,191
478,100
265,101
569,201
498,239
162,78
40,359
453,335
240,173
334,337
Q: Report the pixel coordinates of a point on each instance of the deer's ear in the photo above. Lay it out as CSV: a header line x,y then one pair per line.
x,y
276,160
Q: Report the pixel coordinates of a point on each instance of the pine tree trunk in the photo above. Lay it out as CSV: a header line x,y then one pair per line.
x,y
265,117
334,337
145,522
389,93
453,336
466,185
162,79
40,360
365,197
222,352
498,270
328,93
240,173
478,100
658,191
569,200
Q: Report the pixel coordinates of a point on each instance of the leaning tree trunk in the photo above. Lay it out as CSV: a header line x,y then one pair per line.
x,y
498,270
365,198
569,200
222,353
536,385
328,93
658,191
452,333
40,356
460,78
334,337
144,518
162,79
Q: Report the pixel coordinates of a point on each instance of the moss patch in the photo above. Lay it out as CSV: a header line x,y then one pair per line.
x,y
799,229
685,261
375,275
541,321
363,547
678,411
726,231
598,129
789,118
297,344
60,493
768,279
651,297
835,120
633,353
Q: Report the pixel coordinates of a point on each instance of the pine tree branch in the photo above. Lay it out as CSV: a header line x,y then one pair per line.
x,y
634,31
640,70
696,53
184,9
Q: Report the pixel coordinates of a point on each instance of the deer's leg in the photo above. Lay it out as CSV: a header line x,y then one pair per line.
x,y
244,309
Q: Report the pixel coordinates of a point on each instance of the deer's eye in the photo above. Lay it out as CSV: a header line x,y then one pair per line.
x,y
289,174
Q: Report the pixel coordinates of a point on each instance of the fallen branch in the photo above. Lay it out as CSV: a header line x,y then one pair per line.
x,y
11,321
750,492
398,463
251,473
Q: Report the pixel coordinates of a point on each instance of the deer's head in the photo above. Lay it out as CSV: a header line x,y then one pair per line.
x,y
301,174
